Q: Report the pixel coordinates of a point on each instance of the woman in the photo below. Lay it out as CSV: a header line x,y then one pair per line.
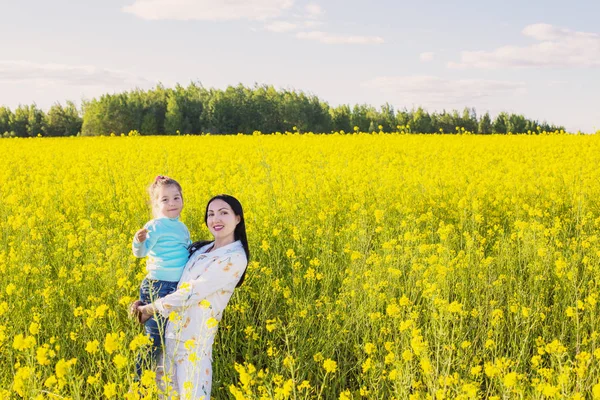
x,y
214,270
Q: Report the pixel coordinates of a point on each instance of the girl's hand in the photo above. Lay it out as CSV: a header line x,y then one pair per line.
x,y
141,235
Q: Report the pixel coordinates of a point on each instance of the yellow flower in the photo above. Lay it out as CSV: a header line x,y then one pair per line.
x,y
10,289
271,325
21,380
596,391
120,361
62,367
265,246
212,322
138,341
330,366
367,365
288,361
34,328
50,381
42,355
101,311
392,310
111,342
190,344
148,378
204,303
174,316
185,287
455,307
470,390
110,390
389,358
21,343
426,366
369,348
92,346
510,379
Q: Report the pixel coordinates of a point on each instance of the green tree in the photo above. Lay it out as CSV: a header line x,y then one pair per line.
x,y
485,124
387,118
19,123
468,120
184,110
500,123
5,117
516,124
63,121
360,117
35,121
421,122
109,114
341,118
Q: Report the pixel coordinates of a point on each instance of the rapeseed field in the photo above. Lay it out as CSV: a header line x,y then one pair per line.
x,y
384,266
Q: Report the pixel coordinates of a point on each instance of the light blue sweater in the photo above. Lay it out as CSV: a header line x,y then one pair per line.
x,y
166,247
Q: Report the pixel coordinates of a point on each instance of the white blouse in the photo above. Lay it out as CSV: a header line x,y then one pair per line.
x,y
207,283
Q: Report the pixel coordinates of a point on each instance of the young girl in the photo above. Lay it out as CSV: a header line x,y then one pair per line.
x,y
165,240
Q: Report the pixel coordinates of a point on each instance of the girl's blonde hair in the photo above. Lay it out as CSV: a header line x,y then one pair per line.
x,y
161,181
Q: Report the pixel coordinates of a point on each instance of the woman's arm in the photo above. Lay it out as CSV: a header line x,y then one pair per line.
x,y
227,271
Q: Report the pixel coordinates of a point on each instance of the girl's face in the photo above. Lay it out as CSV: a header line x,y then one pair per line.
x,y
168,201
221,220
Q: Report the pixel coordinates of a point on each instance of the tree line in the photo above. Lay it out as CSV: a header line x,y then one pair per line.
x,y
239,109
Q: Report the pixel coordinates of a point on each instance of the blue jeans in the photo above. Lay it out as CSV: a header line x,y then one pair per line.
x,y
151,290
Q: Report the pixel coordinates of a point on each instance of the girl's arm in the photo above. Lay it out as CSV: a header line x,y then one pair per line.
x,y
228,271
141,248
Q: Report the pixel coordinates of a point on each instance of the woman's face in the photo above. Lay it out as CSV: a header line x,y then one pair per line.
x,y
221,220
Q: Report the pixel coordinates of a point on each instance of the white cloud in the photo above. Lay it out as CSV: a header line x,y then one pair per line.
x,y
71,75
281,26
208,10
329,38
556,47
314,10
426,56
312,24
436,91
310,18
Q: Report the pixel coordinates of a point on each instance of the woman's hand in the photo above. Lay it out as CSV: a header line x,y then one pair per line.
x,y
133,308
141,311
144,313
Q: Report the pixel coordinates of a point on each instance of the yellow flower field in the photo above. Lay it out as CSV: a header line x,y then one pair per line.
x,y
384,266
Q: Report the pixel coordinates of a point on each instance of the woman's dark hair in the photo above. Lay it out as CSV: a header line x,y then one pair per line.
x,y
238,234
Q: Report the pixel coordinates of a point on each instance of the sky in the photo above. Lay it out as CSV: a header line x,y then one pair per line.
x,y
539,58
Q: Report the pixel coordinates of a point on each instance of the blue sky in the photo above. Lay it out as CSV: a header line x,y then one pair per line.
x,y
538,58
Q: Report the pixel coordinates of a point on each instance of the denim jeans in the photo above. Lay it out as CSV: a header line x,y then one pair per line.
x,y
151,290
